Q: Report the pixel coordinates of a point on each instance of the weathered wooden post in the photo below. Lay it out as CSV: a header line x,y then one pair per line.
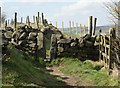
x,y
21,20
100,52
110,51
6,24
50,22
76,28
28,21
34,19
42,18
90,25
84,30
56,24
0,17
94,26
15,20
38,17
62,26
73,26
70,26
37,22
80,30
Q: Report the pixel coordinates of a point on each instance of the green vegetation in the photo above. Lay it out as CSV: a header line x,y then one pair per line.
x,y
71,34
19,70
89,73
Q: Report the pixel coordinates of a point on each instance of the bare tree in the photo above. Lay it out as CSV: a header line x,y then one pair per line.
x,y
112,8
3,17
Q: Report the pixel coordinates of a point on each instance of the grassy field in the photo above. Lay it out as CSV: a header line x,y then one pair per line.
x,y
89,73
21,71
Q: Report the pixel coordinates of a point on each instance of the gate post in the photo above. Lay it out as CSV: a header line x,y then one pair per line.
x,y
53,48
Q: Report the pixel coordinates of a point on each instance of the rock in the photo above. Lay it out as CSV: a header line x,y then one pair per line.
x,y
32,45
59,36
87,37
32,36
73,44
93,38
89,44
23,36
60,49
22,43
8,34
16,35
81,42
9,29
64,41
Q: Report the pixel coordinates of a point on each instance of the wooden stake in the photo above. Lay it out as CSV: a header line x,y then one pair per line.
x,y
42,18
80,31
38,17
28,20
94,26
6,24
21,20
70,26
76,28
73,26
34,19
84,30
37,22
15,20
62,27
90,25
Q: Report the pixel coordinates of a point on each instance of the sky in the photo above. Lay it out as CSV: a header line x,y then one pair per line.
x,y
58,10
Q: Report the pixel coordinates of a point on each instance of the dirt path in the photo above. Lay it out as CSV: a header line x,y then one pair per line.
x,y
70,80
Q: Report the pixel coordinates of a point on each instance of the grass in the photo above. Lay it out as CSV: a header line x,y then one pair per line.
x,y
71,34
88,72
21,72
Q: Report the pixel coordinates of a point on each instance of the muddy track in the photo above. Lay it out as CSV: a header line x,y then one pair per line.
x,y
70,80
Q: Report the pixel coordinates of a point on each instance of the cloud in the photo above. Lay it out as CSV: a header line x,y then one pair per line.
x,y
53,0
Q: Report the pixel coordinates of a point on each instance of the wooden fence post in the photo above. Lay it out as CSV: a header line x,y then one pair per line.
x,y
94,26
62,26
34,19
76,28
73,26
100,53
21,20
15,20
56,24
37,22
6,24
28,21
42,18
90,25
0,17
70,26
110,51
80,31
38,17
84,30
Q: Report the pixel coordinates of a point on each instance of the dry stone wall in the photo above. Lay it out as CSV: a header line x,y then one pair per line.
x,y
82,48
27,39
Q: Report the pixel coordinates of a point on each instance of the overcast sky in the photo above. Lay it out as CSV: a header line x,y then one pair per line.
x,y
58,10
